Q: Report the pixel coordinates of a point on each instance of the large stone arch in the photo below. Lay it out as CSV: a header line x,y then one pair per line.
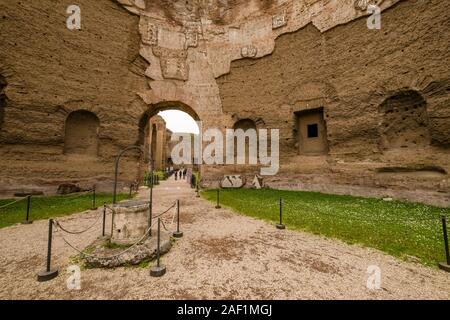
x,y
81,134
147,134
172,105
154,109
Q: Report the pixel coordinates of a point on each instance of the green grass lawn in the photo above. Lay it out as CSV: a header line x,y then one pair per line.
x,y
50,207
399,228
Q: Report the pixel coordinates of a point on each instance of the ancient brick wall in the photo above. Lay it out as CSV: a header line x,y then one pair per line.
x,y
269,62
350,71
52,71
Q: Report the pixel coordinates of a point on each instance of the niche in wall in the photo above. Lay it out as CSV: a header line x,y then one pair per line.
x,y
81,134
312,132
404,121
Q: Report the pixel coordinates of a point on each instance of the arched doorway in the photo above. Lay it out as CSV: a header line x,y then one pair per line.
x,y
158,125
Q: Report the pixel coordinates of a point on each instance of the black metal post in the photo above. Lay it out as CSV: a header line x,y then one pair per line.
x,y
131,189
159,270
94,207
445,265
49,247
281,226
150,207
158,252
48,274
104,219
218,200
447,252
178,233
112,222
27,217
197,191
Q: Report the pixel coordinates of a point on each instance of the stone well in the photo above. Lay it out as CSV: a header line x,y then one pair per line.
x,y
130,221
129,226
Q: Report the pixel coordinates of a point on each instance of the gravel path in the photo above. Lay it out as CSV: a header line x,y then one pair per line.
x,y
222,255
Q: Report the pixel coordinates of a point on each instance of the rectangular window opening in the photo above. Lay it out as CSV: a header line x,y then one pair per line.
x,y
313,130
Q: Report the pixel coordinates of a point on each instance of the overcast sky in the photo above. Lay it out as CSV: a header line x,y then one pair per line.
x,y
179,121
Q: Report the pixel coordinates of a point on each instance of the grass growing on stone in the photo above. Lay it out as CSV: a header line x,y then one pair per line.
x,y
113,245
51,207
401,229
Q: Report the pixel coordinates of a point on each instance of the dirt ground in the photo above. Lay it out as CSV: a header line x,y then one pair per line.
x,y
222,255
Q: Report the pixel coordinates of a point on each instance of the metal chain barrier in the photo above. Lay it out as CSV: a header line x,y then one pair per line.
x,y
155,217
163,213
112,256
173,219
28,205
13,202
171,224
27,210
49,274
58,225
164,226
109,208
367,219
443,218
